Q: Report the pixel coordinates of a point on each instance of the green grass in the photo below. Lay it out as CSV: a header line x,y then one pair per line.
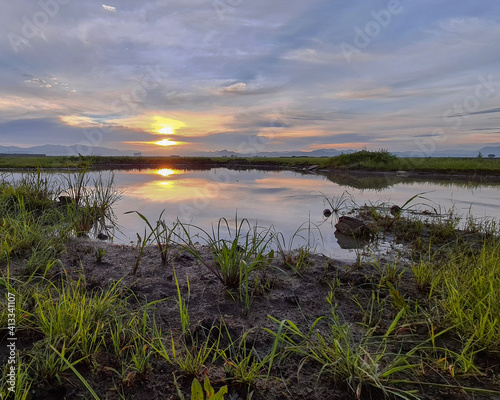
x,y
41,162
31,225
364,159
34,225
237,251
384,161
197,390
161,234
359,363
467,289
450,165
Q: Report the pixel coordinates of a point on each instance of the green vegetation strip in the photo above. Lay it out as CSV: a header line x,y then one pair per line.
x,y
361,160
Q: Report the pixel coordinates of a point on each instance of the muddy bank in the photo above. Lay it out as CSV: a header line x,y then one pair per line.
x,y
279,294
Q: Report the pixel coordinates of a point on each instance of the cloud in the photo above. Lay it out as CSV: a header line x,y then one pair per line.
x,y
39,131
78,121
249,70
109,8
373,93
314,56
235,88
490,111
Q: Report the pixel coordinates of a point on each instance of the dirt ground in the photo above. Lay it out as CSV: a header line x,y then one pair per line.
x,y
286,295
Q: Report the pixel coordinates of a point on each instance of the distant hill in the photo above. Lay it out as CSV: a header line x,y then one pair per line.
x,y
314,153
490,150
58,150
441,153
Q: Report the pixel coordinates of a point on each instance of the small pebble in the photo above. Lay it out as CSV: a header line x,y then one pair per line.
x,y
102,236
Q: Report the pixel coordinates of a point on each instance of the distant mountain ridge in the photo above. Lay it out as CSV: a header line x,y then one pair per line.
x,y
490,150
74,150
314,153
59,150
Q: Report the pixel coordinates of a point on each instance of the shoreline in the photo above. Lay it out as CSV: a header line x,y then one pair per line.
x,y
361,162
471,176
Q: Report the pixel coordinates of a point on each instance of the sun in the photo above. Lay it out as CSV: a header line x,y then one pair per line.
x,y
165,126
167,130
166,142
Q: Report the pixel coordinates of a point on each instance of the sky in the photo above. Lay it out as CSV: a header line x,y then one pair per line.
x,y
175,76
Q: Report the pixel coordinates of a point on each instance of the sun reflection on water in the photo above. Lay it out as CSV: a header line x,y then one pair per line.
x,y
165,172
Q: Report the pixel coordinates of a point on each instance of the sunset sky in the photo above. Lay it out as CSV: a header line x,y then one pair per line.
x,y
170,76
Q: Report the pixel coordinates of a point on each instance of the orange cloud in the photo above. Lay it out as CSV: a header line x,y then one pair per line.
x,y
375,93
75,120
157,144
182,122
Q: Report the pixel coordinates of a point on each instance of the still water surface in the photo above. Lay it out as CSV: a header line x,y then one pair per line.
x,y
282,199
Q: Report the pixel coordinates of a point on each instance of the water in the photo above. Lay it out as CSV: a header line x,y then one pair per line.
x,y
285,200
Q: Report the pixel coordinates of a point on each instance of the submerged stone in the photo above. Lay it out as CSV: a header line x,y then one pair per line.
x,y
352,227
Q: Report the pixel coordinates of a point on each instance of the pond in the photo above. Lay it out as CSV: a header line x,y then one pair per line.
x,y
290,202
286,200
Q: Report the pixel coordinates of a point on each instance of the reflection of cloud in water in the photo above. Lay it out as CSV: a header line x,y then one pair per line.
x,y
172,191
284,200
306,182
475,203
303,196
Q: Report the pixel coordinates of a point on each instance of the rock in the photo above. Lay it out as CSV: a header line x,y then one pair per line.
x,y
352,227
327,212
293,299
65,200
396,210
102,236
